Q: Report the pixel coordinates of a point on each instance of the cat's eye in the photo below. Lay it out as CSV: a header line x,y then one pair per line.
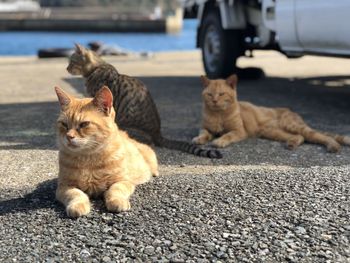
x,y
64,124
210,95
84,124
221,94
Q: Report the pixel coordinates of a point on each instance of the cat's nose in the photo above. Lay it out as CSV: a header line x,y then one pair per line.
x,y
70,138
70,135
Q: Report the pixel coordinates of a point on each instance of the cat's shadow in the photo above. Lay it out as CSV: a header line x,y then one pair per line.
x,y
42,197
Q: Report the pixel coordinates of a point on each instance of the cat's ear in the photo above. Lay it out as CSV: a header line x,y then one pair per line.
x,y
79,49
232,81
89,55
104,100
63,98
205,81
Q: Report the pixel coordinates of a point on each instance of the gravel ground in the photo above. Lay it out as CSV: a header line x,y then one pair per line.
x,y
260,203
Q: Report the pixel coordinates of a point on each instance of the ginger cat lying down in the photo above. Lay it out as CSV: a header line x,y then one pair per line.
x,y
95,157
232,121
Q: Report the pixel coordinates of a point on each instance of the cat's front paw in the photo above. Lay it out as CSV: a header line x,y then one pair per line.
x,y
220,143
77,209
199,140
294,142
118,205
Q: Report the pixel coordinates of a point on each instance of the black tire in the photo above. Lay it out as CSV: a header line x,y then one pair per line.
x,y
220,48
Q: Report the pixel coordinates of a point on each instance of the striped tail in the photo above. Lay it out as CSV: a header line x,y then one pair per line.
x,y
188,148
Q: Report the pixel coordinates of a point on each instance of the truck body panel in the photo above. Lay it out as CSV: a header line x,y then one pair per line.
x,y
323,26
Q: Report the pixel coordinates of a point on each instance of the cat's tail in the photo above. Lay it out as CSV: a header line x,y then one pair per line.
x,y
188,148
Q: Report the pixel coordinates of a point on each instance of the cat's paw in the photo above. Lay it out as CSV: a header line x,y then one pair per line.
x,y
199,140
333,147
220,143
118,205
77,209
294,142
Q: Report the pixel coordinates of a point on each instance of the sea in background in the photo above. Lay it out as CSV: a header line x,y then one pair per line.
x,y
28,43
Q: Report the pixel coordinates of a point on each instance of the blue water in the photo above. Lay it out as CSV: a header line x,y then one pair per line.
x,y
28,43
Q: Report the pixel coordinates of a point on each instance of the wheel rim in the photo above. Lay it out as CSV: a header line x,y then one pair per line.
x,y
212,48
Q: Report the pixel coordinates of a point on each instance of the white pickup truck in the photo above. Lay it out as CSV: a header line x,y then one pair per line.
x,y
228,29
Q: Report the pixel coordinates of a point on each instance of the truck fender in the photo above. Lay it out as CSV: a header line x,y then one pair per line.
x,y
231,13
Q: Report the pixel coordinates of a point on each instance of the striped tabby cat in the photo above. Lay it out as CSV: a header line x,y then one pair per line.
x,y
135,109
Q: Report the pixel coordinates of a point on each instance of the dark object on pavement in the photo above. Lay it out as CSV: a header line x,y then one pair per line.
x,y
55,52
103,50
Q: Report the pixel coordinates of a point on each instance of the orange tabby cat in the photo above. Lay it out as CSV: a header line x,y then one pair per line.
x,y
231,120
95,157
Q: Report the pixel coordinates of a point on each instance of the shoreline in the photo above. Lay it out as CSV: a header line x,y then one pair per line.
x,y
131,55
94,20
28,43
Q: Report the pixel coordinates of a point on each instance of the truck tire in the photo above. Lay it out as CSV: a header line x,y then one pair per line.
x,y
220,48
